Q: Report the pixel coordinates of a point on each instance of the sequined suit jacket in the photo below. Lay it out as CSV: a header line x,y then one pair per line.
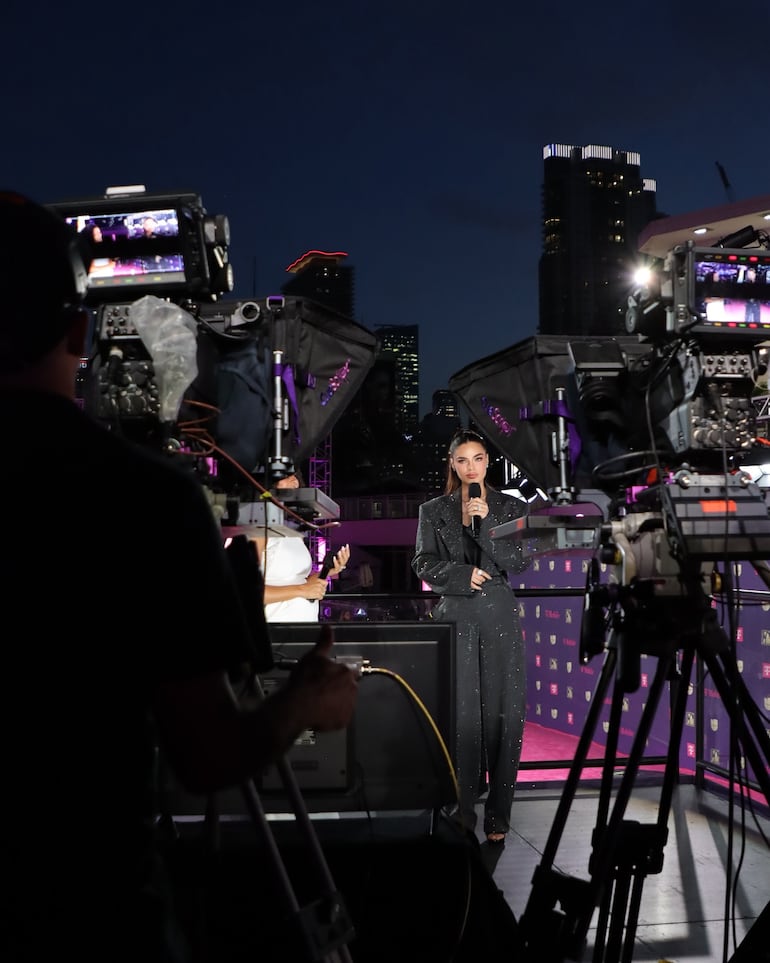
x,y
440,558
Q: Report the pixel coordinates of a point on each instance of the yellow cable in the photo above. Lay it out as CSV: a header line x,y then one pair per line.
x,y
371,670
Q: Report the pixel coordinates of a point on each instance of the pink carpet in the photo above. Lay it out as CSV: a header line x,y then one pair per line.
x,y
542,744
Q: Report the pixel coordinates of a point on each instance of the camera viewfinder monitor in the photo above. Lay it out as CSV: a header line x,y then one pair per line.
x,y
730,292
141,244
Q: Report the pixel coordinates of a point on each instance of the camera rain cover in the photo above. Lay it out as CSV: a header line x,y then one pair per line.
x,y
324,358
512,396
328,355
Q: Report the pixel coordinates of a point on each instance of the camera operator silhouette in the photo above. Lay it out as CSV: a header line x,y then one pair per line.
x,y
130,633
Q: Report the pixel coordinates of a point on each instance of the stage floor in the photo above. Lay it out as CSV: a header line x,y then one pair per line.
x,y
420,892
683,908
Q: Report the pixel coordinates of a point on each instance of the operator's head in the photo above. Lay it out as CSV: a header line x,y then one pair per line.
x,y
43,280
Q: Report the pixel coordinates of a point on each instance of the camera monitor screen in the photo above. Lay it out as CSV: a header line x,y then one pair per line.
x,y
732,291
132,249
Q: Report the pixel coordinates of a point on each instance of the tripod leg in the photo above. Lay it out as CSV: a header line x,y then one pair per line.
x,y
603,853
621,905
640,846
618,915
624,852
608,904
611,750
541,925
633,918
323,928
581,754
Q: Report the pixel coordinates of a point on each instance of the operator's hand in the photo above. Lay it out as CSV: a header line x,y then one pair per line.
x,y
341,560
330,688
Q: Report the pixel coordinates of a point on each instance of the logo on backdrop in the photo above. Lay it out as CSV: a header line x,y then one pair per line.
x,y
335,381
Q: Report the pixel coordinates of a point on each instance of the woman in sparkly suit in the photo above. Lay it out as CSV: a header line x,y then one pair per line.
x,y
462,564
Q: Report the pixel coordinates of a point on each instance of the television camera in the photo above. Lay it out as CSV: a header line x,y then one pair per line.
x,y
236,387
658,430
661,420
655,429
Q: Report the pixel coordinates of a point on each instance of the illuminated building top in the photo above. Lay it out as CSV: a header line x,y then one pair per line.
x,y
309,256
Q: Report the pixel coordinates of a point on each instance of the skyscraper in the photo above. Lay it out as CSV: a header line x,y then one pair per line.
x,y
595,203
400,342
432,442
320,277
445,404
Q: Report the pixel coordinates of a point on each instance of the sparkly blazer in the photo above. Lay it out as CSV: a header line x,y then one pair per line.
x,y
441,550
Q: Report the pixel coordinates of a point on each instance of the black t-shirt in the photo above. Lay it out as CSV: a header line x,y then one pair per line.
x,y
114,578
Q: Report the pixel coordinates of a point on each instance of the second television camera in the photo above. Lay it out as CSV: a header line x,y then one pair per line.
x,y
658,427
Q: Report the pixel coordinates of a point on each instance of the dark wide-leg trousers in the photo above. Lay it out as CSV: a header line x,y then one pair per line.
x,y
491,700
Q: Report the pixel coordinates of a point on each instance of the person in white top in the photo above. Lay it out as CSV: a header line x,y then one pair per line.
x,y
292,589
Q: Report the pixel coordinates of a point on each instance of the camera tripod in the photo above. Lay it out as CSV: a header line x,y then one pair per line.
x,y
625,852
320,929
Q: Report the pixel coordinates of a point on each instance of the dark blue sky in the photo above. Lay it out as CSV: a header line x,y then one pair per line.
x,y
408,134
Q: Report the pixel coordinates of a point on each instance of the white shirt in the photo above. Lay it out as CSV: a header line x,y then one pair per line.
x,y
287,561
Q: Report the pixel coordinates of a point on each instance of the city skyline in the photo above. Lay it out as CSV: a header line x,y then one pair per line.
x,y
410,136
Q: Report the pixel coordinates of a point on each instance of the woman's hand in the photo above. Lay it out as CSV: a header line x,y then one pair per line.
x,y
478,577
477,506
314,588
474,506
341,559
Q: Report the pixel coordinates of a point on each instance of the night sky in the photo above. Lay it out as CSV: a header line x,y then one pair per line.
x,y
408,134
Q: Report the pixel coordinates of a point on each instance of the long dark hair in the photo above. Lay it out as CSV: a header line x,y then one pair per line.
x,y
461,437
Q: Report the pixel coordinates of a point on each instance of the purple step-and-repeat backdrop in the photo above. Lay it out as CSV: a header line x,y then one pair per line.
x,y
753,657
561,689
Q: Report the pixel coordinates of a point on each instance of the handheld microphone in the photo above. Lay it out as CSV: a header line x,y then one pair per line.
x,y
327,565
474,491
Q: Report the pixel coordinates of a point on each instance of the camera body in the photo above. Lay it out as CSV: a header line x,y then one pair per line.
x,y
655,427
227,384
706,316
161,244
